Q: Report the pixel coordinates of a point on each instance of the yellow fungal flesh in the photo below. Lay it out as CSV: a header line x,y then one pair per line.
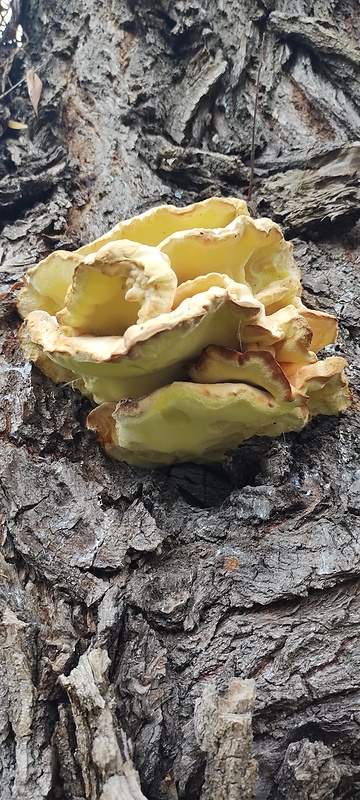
x,y
187,329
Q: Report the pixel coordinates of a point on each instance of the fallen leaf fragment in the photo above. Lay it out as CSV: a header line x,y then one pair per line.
x,y
16,126
34,87
17,285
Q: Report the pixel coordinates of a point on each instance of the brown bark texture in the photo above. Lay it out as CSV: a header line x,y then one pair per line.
x,y
140,610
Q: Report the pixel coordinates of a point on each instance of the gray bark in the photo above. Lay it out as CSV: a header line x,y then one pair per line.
x,y
223,730
129,596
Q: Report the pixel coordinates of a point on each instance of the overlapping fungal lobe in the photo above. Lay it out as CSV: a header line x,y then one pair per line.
x,y
46,284
192,421
324,383
123,284
324,327
249,251
155,225
49,368
187,328
285,333
150,354
256,368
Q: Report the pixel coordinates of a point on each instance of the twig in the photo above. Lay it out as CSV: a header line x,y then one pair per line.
x,y
252,162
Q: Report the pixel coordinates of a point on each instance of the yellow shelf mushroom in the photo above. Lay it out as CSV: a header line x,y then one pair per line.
x,y
123,284
187,329
46,284
257,368
247,250
155,225
150,354
324,383
192,422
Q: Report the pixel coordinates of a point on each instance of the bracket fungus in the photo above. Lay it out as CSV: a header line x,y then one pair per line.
x,y
200,421
186,329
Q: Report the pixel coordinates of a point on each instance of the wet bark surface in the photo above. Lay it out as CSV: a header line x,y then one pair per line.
x,y
131,600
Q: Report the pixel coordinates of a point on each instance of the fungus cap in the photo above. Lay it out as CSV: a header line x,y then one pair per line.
x,y
123,283
286,331
192,421
202,291
248,251
324,383
153,226
150,354
46,284
257,368
324,327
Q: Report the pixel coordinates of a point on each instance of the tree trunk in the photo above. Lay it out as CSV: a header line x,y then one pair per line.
x,y
132,600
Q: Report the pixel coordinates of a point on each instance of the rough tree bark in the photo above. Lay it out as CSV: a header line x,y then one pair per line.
x,y
131,599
